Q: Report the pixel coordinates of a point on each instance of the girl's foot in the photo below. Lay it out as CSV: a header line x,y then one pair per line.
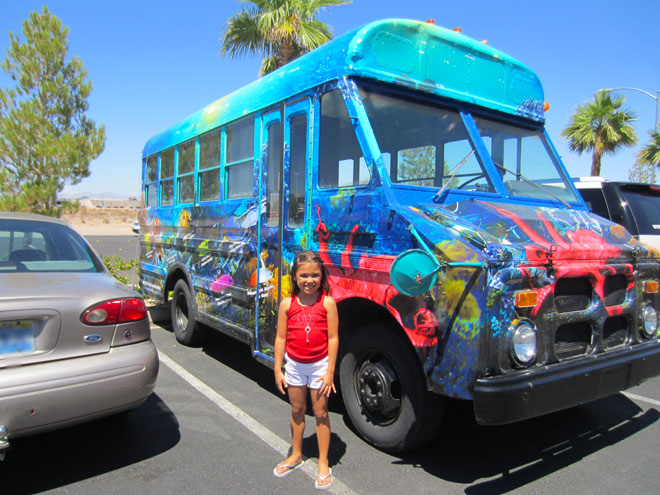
x,y
285,468
323,482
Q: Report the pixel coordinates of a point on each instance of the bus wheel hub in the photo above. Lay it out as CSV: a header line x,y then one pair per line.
x,y
378,387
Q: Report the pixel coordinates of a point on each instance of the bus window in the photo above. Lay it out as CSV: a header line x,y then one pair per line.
x,y
424,142
416,166
297,174
273,166
470,175
151,181
209,166
185,173
340,157
239,167
523,158
167,177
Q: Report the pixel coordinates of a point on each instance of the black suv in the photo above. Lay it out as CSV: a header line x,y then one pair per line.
x,y
634,205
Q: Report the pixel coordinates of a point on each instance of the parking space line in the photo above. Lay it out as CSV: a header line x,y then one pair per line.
x,y
275,442
642,398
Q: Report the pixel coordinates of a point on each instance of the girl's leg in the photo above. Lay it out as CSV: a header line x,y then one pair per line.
x,y
298,400
320,405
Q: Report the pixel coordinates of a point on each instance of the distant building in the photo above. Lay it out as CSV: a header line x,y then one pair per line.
x,y
127,204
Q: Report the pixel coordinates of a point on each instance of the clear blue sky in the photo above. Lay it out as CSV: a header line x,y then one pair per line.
x,y
155,63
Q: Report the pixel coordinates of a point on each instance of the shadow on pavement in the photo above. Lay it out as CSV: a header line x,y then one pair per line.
x,y
517,454
489,459
56,459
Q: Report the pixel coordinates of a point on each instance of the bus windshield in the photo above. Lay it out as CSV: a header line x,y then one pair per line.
x,y
524,161
423,144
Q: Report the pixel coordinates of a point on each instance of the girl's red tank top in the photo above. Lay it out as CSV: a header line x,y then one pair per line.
x,y
302,346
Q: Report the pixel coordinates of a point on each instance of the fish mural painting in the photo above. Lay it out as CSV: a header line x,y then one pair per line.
x,y
462,259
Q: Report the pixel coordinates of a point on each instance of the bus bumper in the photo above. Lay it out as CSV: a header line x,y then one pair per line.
x,y
508,398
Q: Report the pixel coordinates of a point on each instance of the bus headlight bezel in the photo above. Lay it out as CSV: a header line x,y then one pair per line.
x,y
649,317
524,343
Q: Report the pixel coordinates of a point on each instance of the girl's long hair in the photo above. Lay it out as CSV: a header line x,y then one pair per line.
x,y
309,257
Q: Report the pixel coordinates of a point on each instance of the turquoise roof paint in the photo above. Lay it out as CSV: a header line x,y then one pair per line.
x,y
414,54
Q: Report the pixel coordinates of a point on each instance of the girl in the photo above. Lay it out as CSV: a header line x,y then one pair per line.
x,y
307,325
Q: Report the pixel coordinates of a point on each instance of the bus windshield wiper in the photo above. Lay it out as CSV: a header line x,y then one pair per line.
x,y
530,181
451,176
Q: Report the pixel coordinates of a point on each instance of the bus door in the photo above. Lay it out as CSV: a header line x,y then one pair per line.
x,y
285,194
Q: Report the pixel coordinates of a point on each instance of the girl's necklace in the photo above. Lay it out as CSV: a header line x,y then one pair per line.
x,y
307,319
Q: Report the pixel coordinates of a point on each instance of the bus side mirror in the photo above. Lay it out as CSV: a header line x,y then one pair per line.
x,y
414,272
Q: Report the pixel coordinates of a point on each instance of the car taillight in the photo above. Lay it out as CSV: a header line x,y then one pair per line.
x,y
115,311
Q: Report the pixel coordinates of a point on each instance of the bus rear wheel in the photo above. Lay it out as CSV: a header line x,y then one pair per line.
x,y
384,391
184,316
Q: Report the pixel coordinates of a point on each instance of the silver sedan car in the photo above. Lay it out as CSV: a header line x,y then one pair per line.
x,y
75,343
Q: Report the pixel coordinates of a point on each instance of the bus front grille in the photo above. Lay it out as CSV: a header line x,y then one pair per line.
x,y
572,294
573,339
615,332
614,290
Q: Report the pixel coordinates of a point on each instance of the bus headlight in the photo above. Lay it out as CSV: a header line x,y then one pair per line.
x,y
649,321
523,343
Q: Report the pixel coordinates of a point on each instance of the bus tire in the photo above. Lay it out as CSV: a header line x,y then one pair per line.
x,y
184,313
384,391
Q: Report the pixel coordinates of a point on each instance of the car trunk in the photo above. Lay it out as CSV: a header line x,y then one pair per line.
x,y
40,316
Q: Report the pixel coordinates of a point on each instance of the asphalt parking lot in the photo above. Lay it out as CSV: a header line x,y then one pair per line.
x,y
216,424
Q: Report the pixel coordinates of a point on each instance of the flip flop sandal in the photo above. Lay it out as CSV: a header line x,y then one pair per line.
x,y
289,469
323,478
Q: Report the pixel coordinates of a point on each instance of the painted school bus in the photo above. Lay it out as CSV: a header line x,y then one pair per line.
x,y
462,259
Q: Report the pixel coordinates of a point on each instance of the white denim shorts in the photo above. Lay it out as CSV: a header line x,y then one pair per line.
x,y
305,374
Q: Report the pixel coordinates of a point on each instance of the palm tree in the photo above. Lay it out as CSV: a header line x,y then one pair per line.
x,y
279,30
601,126
650,154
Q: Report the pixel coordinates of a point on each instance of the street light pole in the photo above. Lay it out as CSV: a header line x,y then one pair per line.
x,y
656,98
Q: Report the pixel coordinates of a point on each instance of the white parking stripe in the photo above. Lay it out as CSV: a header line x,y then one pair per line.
x,y
642,398
276,443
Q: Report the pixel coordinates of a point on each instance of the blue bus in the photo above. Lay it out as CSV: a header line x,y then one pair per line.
x,y
463,261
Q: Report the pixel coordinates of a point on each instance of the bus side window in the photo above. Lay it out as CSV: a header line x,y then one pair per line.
x,y
209,166
151,181
297,173
273,165
340,158
239,166
186,173
167,177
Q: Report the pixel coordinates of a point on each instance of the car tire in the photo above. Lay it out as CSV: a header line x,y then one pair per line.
x,y
384,390
184,316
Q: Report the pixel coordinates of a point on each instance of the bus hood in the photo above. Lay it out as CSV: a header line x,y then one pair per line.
x,y
531,234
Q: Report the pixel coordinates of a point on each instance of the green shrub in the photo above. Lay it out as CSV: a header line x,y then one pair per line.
x,y
116,265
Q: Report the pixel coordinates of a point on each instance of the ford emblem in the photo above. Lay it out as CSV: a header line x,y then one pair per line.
x,y
93,338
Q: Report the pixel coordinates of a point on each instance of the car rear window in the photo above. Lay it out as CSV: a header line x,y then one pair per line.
x,y
595,200
644,202
28,245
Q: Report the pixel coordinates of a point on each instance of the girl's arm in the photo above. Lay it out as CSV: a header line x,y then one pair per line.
x,y
333,345
280,343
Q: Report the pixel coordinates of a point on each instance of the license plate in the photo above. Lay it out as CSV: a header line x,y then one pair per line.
x,y
16,337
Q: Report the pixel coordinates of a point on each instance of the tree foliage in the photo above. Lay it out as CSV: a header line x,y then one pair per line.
x,y
46,140
600,126
278,30
642,172
650,154
417,166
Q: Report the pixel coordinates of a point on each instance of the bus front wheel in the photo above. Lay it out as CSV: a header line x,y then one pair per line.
x,y
184,314
384,391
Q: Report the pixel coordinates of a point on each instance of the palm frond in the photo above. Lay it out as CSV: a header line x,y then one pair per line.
x,y
313,34
279,30
242,35
651,152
